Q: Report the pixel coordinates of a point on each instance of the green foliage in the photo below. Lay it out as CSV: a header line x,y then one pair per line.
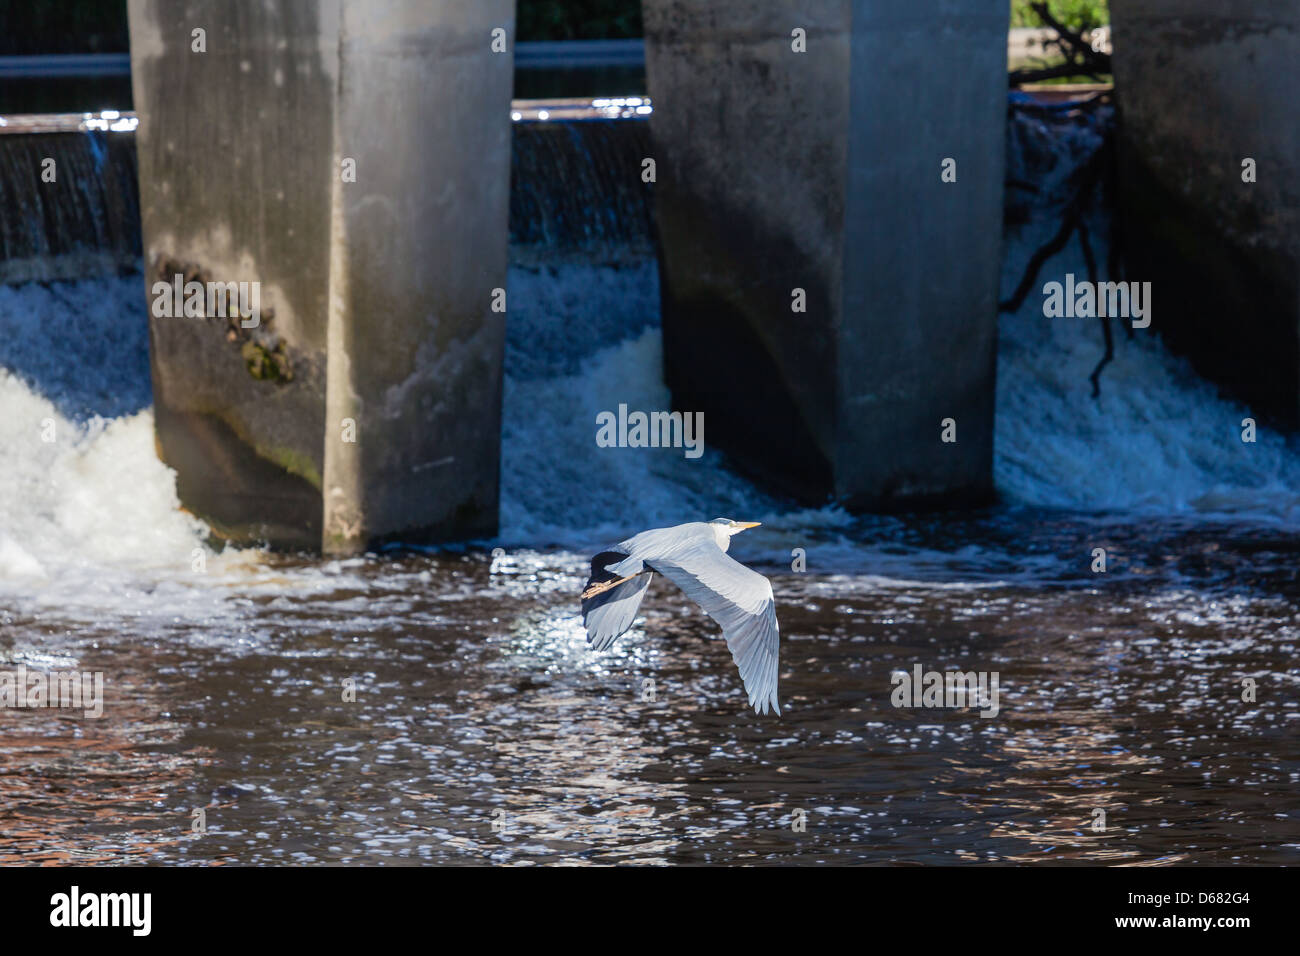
x,y
1078,15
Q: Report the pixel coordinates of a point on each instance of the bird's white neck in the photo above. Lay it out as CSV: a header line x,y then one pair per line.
x,y
722,536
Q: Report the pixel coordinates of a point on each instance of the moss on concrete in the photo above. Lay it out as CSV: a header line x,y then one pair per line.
x,y
267,365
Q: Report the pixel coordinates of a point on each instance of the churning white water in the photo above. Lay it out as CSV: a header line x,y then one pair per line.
x,y
83,497
80,484
1158,439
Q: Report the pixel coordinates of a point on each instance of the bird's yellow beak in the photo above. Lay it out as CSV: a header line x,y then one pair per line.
x,y
748,524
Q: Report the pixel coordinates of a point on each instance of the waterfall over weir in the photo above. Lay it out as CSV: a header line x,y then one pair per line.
x,y
575,192
71,204
582,333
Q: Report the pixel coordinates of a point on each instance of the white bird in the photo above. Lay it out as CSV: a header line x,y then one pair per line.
x,y
693,556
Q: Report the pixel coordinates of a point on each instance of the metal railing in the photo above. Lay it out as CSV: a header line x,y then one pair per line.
x,y
566,54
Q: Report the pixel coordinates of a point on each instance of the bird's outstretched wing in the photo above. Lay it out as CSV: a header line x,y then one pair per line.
x,y
609,613
741,601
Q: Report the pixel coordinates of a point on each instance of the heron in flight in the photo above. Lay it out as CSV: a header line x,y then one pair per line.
x,y
694,557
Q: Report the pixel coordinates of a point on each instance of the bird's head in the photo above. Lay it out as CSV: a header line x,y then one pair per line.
x,y
733,527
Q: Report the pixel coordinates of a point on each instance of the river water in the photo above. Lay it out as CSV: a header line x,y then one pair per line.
x,y
418,707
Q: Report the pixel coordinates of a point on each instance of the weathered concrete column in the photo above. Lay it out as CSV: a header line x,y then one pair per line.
x,y
1210,185
353,159
822,171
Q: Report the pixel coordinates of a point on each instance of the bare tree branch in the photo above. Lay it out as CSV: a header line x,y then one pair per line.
x,y
1080,58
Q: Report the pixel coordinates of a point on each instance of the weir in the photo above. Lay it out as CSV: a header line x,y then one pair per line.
x,y
363,404
77,216
570,196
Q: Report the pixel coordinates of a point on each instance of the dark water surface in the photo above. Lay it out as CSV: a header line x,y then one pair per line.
x,y
483,730
478,704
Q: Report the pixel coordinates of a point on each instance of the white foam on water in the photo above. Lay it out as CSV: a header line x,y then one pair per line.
x,y
92,519
560,487
90,522
94,495
1158,440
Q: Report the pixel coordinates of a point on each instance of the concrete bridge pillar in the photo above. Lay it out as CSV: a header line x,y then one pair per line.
x,y
801,152
350,159
1209,154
